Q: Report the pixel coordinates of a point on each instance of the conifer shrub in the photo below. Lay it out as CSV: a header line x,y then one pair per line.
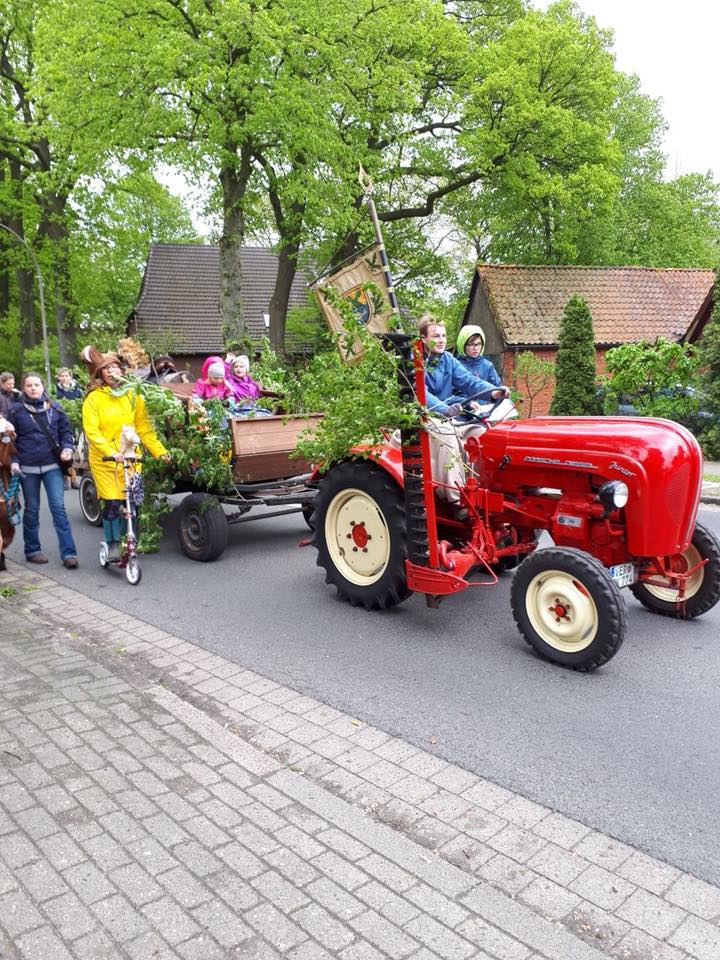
x,y
575,391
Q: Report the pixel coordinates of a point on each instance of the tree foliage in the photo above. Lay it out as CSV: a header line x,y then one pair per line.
x,y
507,127
587,184
644,370
532,374
709,362
575,392
658,379
67,201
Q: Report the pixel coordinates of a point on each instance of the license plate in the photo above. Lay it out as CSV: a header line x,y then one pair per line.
x,y
624,574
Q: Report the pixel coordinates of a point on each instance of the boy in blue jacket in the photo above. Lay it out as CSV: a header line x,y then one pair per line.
x,y
469,349
447,383
448,386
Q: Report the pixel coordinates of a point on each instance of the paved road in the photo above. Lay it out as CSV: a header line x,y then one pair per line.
x,y
631,750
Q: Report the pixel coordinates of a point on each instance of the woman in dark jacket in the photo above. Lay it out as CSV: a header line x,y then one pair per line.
x,y
43,435
66,388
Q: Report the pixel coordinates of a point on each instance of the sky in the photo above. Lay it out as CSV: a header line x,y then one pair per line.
x,y
673,48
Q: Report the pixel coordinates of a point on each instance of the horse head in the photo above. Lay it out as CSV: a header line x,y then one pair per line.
x,y
7,449
7,444
128,440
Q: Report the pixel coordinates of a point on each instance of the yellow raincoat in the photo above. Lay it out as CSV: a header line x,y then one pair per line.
x,y
103,417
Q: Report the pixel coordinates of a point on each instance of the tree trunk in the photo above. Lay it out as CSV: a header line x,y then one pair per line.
x,y
289,225
4,286
24,276
26,305
5,242
234,180
348,248
287,268
54,228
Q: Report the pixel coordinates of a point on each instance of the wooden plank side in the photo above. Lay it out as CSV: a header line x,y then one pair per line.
x,y
268,434
267,466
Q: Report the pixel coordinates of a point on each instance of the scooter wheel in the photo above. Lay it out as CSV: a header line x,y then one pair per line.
x,y
104,556
133,571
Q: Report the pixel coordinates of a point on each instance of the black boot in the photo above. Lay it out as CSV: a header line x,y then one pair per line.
x,y
2,562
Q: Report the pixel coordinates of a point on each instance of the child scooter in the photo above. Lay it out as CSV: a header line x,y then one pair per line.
x,y
133,496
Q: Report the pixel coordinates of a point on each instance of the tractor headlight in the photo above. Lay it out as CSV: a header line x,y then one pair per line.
x,y
614,494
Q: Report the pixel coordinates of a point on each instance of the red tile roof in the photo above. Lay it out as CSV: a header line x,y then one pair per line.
x,y
627,303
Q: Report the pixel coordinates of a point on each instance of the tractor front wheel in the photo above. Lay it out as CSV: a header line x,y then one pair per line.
x,y
568,608
359,532
702,590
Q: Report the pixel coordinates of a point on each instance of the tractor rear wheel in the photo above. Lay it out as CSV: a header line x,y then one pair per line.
x,y
702,591
308,509
360,535
568,608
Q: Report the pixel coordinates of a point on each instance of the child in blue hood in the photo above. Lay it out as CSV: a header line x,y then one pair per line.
x,y
469,349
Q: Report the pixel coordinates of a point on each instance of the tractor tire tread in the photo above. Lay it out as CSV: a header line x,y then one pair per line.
x,y
382,595
708,594
614,606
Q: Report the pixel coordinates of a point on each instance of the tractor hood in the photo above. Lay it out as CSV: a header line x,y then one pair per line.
x,y
659,460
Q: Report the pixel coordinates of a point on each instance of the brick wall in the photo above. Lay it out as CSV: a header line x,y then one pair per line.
x,y
541,403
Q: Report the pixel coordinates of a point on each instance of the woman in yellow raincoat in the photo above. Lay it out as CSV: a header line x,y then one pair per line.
x,y
103,416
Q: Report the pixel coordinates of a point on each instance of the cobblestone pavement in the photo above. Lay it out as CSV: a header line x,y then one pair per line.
x,y
158,801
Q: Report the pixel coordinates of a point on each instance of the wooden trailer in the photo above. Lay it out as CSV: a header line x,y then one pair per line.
x,y
265,474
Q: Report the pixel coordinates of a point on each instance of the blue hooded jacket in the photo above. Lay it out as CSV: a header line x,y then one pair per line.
x,y
480,367
447,381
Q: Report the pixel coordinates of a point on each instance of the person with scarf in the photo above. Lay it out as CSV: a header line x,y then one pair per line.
x,y
104,413
43,437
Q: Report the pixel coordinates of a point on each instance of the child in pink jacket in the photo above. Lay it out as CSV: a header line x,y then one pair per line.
x,y
212,384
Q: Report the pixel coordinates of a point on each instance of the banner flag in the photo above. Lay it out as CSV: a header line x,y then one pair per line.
x,y
371,307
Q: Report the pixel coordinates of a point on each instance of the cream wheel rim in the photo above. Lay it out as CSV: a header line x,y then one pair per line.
x,y
561,611
357,537
681,564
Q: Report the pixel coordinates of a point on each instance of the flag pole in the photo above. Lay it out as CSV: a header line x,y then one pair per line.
x,y
367,188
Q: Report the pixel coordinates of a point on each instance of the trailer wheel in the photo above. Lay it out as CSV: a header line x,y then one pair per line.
x,y
89,502
703,588
568,608
202,527
360,535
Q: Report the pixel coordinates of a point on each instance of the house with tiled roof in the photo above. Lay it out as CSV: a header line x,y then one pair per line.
x,y
520,308
178,306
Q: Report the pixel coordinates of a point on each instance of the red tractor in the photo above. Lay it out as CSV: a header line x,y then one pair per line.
x,y
618,497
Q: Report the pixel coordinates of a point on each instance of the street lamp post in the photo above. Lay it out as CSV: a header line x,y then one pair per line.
x,y
41,294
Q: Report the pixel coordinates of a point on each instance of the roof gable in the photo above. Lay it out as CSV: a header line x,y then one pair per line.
x,y
628,304
181,293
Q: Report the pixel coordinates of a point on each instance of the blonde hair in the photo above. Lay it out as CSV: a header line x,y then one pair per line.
x,y
426,321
